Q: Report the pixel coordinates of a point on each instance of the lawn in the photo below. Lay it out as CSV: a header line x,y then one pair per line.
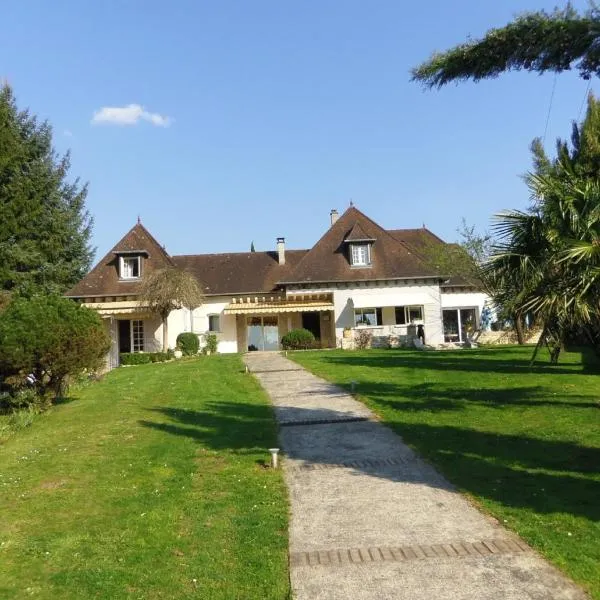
x,y
147,485
521,442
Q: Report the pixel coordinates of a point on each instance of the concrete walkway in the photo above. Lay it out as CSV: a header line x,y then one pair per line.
x,y
370,520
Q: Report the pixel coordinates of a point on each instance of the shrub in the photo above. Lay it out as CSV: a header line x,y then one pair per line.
x,y
211,343
143,358
298,339
52,338
189,343
362,339
135,358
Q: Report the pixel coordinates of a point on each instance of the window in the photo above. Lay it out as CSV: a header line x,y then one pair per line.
x,y
130,267
360,255
408,314
414,313
214,323
367,317
400,315
137,336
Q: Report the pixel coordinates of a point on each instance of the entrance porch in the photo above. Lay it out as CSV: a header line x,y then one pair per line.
x,y
261,322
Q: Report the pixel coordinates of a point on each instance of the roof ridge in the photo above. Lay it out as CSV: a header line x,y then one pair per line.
x,y
240,253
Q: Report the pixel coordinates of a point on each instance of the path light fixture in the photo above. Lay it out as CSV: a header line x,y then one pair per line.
x,y
274,457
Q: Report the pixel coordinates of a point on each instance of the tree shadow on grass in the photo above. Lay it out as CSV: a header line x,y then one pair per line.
x,y
474,361
435,397
243,428
546,476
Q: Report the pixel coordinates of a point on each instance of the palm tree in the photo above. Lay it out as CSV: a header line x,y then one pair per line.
x,y
547,261
169,289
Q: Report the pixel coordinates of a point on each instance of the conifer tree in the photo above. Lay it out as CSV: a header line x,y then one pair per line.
x,y
44,226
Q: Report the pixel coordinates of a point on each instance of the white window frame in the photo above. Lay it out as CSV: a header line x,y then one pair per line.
x,y
137,335
123,260
360,255
361,311
218,316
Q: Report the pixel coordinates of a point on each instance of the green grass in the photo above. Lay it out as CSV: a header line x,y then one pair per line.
x,y
147,485
523,443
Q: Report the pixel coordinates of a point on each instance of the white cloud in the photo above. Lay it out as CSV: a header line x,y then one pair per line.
x,y
128,115
68,133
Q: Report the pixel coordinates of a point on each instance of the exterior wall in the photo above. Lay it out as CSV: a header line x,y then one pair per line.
x,y
374,294
181,321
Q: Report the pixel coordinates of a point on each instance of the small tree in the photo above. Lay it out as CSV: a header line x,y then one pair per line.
x,y
52,338
169,289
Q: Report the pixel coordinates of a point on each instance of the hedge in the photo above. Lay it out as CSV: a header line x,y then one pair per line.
x,y
142,358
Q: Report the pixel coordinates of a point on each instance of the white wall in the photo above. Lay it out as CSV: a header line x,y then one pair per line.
x,y
181,321
372,295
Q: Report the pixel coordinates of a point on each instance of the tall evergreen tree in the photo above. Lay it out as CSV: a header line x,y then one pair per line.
x,y
44,226
252,248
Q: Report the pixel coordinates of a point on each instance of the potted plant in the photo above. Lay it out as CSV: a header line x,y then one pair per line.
x,y
177,353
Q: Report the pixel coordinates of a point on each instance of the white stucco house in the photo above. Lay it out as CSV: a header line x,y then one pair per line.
x,y
357,276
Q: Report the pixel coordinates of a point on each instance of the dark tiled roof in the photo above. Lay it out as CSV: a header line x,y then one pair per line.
x,y
239,272
328,259
103,279
395,254
357,234
417,238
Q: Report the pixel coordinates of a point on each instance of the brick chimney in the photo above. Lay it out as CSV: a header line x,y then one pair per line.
x,y
334,216
281,250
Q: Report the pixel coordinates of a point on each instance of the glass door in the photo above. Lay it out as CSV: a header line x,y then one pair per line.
x,y
263,333
451,329
467,323
270,333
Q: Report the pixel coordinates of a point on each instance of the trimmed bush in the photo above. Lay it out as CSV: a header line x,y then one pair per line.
x,y
211,343
135,358
189,343
298,339
52,338
156,357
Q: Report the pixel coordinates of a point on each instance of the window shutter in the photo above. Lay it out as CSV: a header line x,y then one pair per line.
x,y
379,316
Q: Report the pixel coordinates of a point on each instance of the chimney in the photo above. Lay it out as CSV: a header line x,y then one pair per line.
x,y
334,216
281,250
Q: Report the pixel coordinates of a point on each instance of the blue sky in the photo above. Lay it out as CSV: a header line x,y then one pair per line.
x,y
252,120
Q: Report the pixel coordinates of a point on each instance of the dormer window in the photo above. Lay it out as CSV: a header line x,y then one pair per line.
x,y
130,267
129,263
360,255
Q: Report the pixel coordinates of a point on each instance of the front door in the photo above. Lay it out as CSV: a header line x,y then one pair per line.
x,y
312,322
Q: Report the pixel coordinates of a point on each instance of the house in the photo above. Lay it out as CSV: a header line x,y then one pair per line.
x,y
357,276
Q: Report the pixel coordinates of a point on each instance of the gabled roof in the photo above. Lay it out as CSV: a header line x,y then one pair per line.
x,y
239,272
357,234
103,279
328,259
